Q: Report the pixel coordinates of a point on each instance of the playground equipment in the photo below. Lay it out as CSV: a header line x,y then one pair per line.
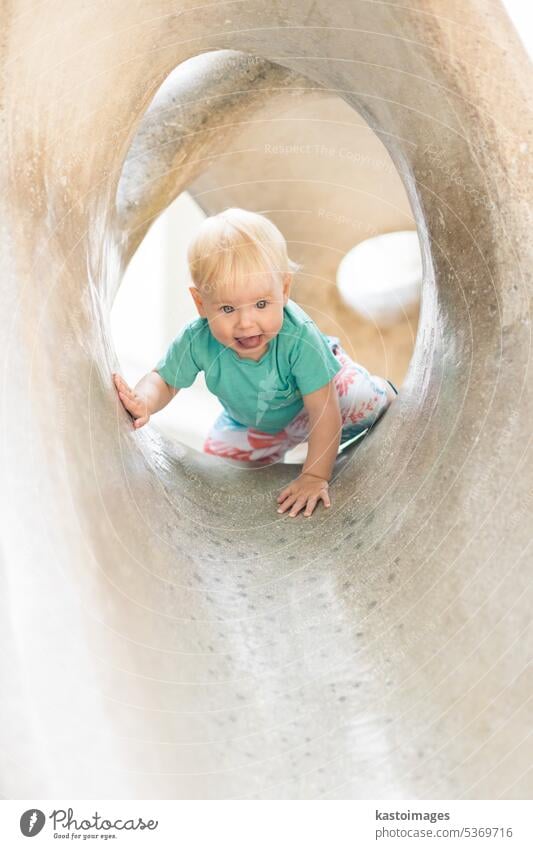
x,y
164,633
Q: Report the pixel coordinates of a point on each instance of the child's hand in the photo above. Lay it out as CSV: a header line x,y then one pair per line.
x,y
306,489
132,402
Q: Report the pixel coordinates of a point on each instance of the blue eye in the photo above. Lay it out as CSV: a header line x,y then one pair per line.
x,y
227,309
261,302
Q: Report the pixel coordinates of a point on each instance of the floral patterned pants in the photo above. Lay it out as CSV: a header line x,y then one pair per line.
x,y
363,398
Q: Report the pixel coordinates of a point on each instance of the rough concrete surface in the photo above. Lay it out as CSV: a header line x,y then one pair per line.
x,y
164,633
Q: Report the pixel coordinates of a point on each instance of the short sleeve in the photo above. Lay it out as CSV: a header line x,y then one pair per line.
x,y
313,365
178,367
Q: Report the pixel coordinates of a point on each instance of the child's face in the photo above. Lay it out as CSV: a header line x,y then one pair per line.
x,y
250,317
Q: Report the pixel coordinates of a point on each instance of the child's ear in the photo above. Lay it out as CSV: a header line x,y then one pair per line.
x,y
197,298
287,280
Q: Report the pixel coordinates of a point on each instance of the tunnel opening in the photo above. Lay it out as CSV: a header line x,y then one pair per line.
x,y
232,129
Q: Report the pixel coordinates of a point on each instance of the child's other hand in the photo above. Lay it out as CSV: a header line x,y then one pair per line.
x,y
305,490
133,403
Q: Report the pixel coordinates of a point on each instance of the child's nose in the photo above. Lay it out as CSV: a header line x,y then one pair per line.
x,y
245,319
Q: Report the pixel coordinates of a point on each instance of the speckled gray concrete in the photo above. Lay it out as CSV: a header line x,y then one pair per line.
x,y
164,633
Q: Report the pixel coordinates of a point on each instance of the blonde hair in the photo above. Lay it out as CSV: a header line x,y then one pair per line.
x,y
234,244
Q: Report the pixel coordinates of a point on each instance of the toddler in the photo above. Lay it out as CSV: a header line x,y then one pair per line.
x,y
280,380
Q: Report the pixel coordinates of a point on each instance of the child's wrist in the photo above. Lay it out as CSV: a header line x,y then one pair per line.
x,y
312,475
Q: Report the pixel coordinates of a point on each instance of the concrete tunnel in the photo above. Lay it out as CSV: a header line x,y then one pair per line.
x,y
164,635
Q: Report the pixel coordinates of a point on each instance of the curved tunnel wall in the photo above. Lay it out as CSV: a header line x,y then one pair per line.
x,y
166,635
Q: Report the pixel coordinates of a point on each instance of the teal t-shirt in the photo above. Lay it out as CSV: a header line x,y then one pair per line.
x,y
265,394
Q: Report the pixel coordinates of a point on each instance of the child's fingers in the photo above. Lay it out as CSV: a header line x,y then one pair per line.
x,y
324,495
283,507
298,504
130,402
284,492
311,504
131,405
290,499
121,384
126,390
123,387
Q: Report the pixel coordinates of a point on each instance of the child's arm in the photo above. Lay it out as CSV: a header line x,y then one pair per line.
x,y
325,427
150,395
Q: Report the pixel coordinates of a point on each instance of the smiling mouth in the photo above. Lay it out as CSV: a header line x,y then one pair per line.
x,y
249,341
